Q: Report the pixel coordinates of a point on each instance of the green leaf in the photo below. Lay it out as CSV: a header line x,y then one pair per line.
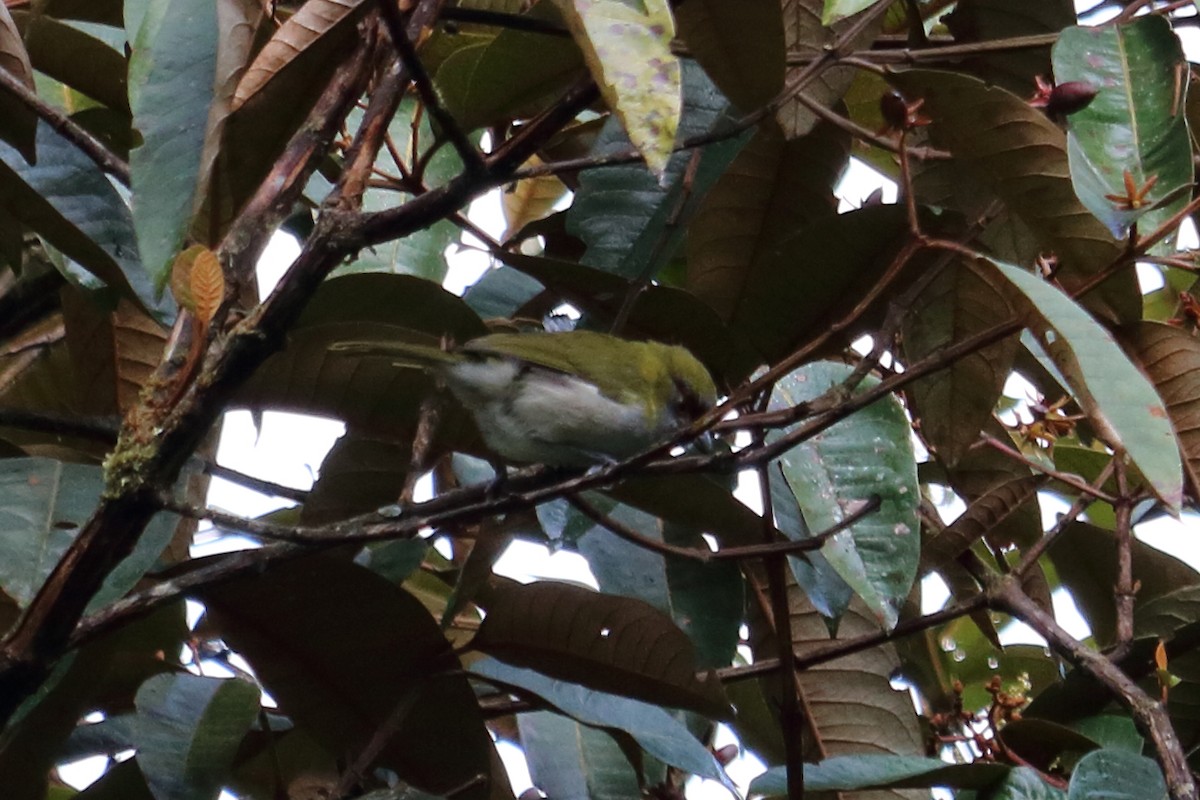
x,y
1085,557
740,46
1116,774
423,252
659,733
516,74
77,59
825,589
609,643
45,502
1014,151
187,732
108,670
1111,732
570,760
1024,783
866,455
297,622
613,207
171,81
850,773
1118,399
500,292
627,47
1135,125
67,200
704,600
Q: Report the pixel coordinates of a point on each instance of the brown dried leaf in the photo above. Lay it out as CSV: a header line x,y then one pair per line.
x,y
981,516
1171,358
181,276
850,704
113,353
530,200
314,19
207,285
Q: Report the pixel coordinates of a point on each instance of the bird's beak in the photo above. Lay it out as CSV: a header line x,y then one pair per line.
x,y
706,443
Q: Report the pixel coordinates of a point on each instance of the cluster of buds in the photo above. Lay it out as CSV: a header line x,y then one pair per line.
x,y
959,726
1048,423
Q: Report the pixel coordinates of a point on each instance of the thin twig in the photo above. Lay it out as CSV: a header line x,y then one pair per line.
x,y
470,155
1058,475
866,135
1125,589
70,130
792,716
269,488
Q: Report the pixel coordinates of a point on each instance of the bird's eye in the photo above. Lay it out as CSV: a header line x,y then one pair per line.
x,y
686,404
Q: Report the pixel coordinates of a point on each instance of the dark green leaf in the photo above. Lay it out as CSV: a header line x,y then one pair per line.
x,y
1023,783
614,206
866,455
296,623
171,78
658,732
570,760
1133,126
78,60
1116,774
1085,557
187,732
1118,398
70,202
704,600
45,502
849,773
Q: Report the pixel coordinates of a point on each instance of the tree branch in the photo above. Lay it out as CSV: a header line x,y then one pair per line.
x,y
1151,717
394,22
70,130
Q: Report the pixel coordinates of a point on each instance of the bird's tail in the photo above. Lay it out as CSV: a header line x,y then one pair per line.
x,y
407,353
